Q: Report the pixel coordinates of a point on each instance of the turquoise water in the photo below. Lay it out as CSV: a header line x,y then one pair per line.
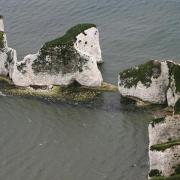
x,y
104,139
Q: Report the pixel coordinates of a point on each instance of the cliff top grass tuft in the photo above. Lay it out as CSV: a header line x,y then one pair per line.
x,y
1,39
176,177
155,172
70,35
142,73
164,146
157,121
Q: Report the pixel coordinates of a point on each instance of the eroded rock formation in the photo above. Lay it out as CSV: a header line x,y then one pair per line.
x,y
7,55
164,147
63,69
71,58
157,82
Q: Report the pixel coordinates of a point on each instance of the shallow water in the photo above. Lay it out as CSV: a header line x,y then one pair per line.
x,y
104,139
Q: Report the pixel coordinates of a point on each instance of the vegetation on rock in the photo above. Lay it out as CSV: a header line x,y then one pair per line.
x,y
142,73
177,107
174,73
164,146
155,172
63,59
74,92
176,177
70,35
177,170
157,121
59,55
1,39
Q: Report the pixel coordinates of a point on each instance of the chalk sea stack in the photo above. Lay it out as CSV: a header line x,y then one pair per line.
x,y
63,69
156,82
68,59
7,55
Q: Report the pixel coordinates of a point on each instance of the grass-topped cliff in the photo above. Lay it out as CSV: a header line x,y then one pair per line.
x,y
174,70
64,58
155,174
142,73
175,177
164,146
70,35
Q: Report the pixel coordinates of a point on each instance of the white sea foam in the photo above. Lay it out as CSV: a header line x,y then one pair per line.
x,y
1,94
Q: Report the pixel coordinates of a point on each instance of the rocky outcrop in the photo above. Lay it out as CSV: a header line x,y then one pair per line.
x,y
156,82
173,92
164,148
71,58
63,69
72,93
7,55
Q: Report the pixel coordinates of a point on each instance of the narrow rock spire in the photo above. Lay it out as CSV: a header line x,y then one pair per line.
x,y
1,23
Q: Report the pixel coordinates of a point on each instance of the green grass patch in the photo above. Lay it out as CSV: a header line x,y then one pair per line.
x,y
155,172
74,92
70,35
177,107
157,121
142,73
164,146
176,170
1,39
57,93
64,58
176,71
176,177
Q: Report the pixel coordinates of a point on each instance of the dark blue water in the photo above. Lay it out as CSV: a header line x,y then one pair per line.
x,y
101,140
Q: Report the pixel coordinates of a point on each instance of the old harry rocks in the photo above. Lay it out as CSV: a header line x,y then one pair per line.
x,y
156,82
7,55
71,58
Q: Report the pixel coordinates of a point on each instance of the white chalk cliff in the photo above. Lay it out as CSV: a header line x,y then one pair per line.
x,y
164,146
7,55
73,57
156,82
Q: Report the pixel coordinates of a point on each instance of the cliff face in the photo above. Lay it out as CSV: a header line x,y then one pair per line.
x,y
7,55
156,82
173,93
71,58
63,69
164,147
146,82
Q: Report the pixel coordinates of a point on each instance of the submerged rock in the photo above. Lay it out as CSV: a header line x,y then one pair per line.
x,y
7,55
74,92
71,58
156,82
164,147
